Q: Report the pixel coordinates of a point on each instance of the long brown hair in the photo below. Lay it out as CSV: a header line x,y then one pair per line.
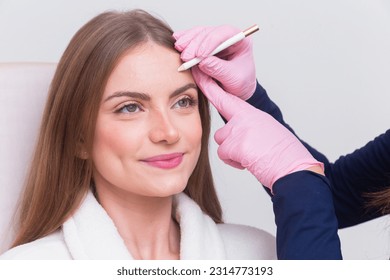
x,y
59,179
379,200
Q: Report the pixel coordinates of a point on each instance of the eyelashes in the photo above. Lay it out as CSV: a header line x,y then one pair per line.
x,y
183,103
186,102
129,108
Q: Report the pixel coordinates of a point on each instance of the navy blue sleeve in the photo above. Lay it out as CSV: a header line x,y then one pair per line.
x,y
302,202
305,218
309,208
351,177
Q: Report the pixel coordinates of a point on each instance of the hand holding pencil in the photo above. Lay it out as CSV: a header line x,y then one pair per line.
x,y
224,45
233,66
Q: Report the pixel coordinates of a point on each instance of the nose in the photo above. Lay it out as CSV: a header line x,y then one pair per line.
x,y
163,129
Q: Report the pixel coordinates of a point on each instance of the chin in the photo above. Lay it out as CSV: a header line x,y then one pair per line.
x,y
169,189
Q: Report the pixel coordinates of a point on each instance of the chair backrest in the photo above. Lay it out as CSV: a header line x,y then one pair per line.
x,y
23,92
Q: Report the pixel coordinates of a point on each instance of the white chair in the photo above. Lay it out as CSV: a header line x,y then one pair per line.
x,y
23,92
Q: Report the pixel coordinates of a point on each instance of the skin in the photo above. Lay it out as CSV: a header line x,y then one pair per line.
x,y
148,109
317,169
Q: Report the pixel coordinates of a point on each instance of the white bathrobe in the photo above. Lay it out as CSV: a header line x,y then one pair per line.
x,y
91,234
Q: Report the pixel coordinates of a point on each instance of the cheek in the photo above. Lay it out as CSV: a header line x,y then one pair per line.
x,y
114,139
193,132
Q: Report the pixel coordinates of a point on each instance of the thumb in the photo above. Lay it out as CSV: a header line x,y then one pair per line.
x,y
226,104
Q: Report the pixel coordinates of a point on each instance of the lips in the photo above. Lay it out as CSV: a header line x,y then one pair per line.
x,y
166,161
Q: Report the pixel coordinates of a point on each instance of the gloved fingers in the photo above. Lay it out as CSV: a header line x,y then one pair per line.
x,y
190,43
216,68
223,152
237,49
229,153
212,39
227,150
206,41
237,76
184,37
225,103
231,80
223,133
234,164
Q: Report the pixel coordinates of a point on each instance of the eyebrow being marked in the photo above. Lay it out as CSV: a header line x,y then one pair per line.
x,y
183,89
146,97
132,94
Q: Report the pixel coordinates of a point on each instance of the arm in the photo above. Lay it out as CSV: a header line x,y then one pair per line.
x,y
366,170
302,203
305,218
303,206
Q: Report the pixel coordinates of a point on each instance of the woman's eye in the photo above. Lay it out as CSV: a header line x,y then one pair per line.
x,y
129,108
184,103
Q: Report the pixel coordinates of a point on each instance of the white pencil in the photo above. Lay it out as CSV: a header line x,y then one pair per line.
x,y
231,41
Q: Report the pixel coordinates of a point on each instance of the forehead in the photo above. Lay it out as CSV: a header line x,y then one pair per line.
x,y
148,68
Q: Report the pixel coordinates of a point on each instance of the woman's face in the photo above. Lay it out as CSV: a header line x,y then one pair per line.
x,y
148,131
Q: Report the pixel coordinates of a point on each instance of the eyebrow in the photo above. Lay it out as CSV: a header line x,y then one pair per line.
x,y
145,96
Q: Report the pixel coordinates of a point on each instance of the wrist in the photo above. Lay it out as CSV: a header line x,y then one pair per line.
x,y
256,90
317,169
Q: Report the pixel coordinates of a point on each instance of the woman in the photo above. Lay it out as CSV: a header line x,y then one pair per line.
x,y
357,184
121,168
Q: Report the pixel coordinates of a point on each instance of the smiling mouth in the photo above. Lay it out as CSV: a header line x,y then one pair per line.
x,y
167,161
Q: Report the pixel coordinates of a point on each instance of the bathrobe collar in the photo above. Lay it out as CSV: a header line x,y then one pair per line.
x,y
91,234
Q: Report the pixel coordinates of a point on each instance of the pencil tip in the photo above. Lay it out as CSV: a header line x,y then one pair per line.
x,y
181,68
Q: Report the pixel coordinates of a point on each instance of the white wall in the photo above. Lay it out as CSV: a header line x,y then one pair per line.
x,y
326,63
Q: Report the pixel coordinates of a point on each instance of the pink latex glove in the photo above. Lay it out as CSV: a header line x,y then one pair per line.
x,y
253,139
234,67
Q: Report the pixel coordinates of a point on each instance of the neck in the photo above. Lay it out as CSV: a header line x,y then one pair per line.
x,y
145,224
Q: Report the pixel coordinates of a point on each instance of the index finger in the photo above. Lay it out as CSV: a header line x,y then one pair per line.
x,y
225,103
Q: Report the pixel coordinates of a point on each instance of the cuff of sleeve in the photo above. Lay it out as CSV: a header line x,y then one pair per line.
x,y
305,217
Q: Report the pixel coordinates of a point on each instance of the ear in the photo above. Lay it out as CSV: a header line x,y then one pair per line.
x,y
81,150
83,155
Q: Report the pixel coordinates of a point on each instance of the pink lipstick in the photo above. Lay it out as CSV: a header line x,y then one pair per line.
x,y
166,161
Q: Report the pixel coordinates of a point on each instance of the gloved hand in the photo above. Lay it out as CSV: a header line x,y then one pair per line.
x,y
233,67
253,139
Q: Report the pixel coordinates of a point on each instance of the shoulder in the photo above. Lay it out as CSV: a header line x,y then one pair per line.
x,y
246,242
50,247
